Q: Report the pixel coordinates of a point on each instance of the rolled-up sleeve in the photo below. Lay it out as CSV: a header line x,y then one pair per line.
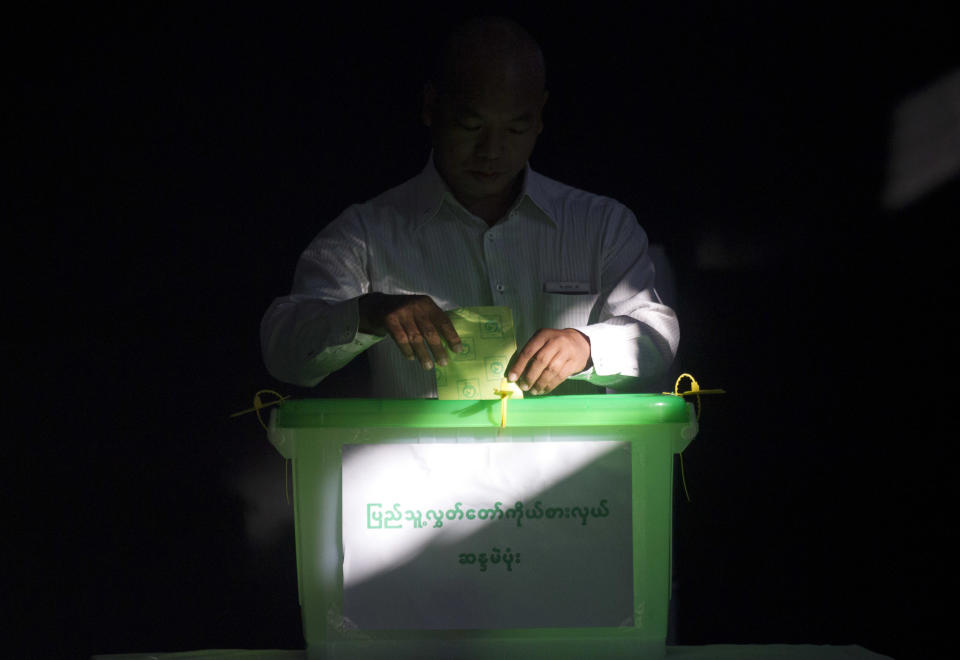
x,y
313,331
634,338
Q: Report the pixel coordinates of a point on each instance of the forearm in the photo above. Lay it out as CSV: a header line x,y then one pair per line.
x,y
631,350
304,340
634,336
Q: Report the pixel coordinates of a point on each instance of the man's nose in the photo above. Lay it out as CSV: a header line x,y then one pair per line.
x,y
491,144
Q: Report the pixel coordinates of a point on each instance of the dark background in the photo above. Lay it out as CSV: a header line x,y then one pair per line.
x,y
169,164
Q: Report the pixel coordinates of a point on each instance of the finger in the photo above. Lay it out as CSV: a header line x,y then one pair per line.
x,y
396,330
432,338
536,367
448,332
520,360
417,344
552,376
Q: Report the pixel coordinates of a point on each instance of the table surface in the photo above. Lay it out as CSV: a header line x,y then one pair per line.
x,y
706,652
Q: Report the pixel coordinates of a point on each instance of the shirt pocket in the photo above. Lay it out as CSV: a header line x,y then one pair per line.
x,y
567,310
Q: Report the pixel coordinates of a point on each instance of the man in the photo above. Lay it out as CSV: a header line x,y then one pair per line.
x,y
477,227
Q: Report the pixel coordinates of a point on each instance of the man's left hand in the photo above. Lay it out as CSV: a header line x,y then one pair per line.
x,y
549,358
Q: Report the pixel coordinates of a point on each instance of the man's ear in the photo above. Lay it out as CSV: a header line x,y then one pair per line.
x,y
429,104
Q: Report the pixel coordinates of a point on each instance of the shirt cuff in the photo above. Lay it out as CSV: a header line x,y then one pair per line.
x,y
341,330
612,350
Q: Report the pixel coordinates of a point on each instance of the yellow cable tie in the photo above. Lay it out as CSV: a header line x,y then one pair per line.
x,y
505,391
683,478
259,405
694,391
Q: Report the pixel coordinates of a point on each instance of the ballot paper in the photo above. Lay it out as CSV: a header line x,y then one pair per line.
x,y
488,339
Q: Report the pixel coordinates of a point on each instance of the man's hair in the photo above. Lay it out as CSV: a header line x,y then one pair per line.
x,y
487,37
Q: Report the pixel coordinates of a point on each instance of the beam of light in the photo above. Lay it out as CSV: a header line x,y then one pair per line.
x,y
924,150
441,474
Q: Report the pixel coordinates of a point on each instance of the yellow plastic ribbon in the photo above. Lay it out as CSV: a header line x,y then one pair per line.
x,y
693,391
258,405
505,391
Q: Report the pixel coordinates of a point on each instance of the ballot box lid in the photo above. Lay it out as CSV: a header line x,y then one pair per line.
x,y
573,410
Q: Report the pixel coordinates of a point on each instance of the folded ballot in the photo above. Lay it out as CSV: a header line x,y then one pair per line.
x,y
489,341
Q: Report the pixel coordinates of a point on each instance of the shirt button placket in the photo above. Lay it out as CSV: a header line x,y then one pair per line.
x,y
493,263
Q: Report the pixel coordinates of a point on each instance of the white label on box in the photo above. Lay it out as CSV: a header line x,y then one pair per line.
x,y
487,535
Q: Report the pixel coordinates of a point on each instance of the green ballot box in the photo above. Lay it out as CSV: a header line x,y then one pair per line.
x,y
426,529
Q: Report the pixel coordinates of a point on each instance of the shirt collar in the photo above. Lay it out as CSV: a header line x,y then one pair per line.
x,y
535,189
432,191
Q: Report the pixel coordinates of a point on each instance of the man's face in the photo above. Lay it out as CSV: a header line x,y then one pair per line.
x,y
484,131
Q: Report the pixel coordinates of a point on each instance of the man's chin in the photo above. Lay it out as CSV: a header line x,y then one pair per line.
x,y
487,178
487,184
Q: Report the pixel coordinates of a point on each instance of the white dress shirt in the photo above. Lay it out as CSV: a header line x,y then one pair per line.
x,y
560,258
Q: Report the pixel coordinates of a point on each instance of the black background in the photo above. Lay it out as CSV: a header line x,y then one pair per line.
x,y
170,163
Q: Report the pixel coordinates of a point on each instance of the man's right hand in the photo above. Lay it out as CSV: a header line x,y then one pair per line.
x,y
415,323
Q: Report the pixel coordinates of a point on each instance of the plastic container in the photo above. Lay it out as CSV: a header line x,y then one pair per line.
x,y
407,512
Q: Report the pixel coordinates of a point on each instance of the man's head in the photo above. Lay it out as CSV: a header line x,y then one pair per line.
x,y
484,109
